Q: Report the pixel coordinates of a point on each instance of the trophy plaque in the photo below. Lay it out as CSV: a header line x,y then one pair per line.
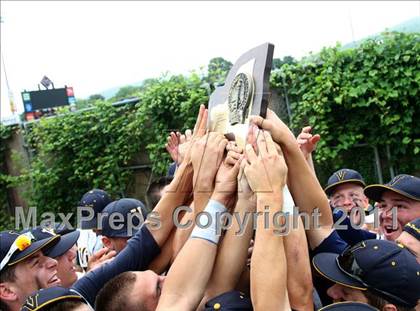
x,y
246,92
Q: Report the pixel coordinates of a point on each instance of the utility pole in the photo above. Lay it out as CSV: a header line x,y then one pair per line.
x,y
351,26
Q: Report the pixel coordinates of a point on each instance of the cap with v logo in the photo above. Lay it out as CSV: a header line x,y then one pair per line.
x,y
405,185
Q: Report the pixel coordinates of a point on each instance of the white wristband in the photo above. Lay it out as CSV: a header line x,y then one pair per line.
x,y
208,229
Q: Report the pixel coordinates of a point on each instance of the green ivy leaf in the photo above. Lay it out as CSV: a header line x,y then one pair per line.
x,y
406,140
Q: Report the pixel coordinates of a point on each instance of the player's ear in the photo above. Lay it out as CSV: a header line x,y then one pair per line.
x,y
389,307
7,292
106,242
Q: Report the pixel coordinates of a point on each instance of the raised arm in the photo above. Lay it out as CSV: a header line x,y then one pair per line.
x,y
307,144
184,287
178,194
266,174
206,156
299,275
233,250
300,177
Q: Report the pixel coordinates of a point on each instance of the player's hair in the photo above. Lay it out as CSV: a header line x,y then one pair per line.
x,y
379,302
152,194
115,295
64,305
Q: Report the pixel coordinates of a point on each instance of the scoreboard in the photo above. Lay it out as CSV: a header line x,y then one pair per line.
x,y
43,102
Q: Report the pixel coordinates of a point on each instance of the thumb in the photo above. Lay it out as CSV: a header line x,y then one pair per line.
x,y
315,139
106,261
110,255
306,129
100,253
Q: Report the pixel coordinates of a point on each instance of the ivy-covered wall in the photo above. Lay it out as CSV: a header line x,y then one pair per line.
x,y
75,152
365,95
6,181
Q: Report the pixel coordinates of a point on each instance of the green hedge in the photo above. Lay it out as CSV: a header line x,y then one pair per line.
x,y
78,151
6,181
364,95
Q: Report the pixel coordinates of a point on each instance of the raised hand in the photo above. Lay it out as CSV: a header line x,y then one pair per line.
x,y
306,141
184,144
178,145
201,123
234,153
226,183
206,156
279,131
171,146
187,140
267,171
100,258
245,192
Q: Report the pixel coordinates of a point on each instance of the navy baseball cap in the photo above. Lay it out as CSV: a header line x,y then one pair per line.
x,y
66,241
118,214
44,299
413,228
96,199
405,185
348,306
230,301
385,268
343,176
15,247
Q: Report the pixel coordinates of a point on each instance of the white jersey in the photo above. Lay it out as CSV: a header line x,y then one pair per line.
x,y
87,244
288,203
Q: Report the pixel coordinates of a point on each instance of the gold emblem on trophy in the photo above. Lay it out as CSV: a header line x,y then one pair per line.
x,y
240,97
246,91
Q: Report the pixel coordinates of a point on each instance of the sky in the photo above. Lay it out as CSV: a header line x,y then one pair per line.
x,y
96,45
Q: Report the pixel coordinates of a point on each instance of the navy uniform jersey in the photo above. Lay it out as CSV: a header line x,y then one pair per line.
x,y
351,235
230,301
141,249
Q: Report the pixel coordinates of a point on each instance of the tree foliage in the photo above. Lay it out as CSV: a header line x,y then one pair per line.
x,y
364,95
217,69
125,92
96,97
278,62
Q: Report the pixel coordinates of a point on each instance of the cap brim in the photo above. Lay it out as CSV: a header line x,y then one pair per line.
x,y
331,187
326,265
43,244
348,306
48,296
66,242
374,192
